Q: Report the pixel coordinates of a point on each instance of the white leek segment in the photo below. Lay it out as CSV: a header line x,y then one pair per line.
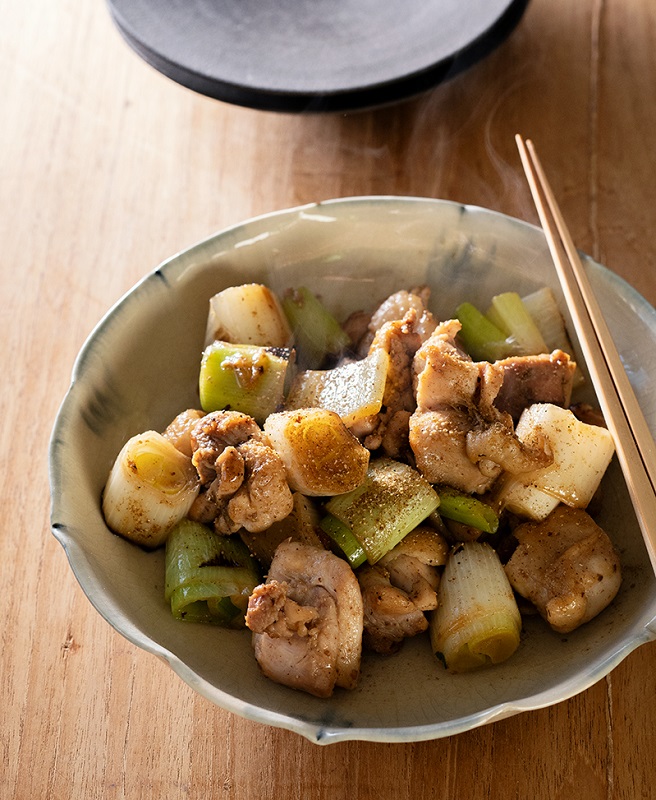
x,y
581,455
509,314
477,621
544,311
247,314
150,488
391,502
321,456
354,390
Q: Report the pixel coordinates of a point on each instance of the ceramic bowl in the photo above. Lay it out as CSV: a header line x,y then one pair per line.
x,y
139,367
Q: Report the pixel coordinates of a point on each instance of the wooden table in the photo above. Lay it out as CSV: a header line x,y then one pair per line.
x,y
107,168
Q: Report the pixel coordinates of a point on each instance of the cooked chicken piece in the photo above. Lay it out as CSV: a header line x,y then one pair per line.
x,y
216,431
205,509
588,414
401,339
397,306
264,496
439,443
566,566
230,472
211,504
390,616
494,442
398,327
492,435
179,430
307,620
271,611
426,544
245,483
447,381
457,435
396,434
412,566
302,525
394,309
357,327
546,378
419,581
445,374
364,428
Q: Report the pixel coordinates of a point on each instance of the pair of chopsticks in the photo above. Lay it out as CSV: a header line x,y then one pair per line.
x,y
634,442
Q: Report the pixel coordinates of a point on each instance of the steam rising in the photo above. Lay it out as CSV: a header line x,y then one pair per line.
x,y
424,146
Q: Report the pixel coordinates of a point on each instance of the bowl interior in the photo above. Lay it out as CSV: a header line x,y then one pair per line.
x,y
140,367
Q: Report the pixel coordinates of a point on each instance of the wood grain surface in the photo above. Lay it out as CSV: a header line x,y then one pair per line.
x,y
107,168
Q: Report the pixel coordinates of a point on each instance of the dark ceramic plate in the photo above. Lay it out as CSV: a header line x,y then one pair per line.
x,y
313,55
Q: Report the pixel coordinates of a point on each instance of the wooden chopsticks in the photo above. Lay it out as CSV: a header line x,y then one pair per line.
x,y
634,442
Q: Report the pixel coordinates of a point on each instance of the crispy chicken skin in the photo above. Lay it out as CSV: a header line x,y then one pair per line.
x,y
566,566
307,620
244,479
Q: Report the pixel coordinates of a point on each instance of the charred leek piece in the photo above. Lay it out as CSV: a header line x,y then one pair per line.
x,y
243,378
209,577
481,338
468,510
342,536
354,390
509,313
321,456
477,621
392,501
151,486
317,333
247,314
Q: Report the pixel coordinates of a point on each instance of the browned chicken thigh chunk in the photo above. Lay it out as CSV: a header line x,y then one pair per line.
x,y
307,620
566,566
244,479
